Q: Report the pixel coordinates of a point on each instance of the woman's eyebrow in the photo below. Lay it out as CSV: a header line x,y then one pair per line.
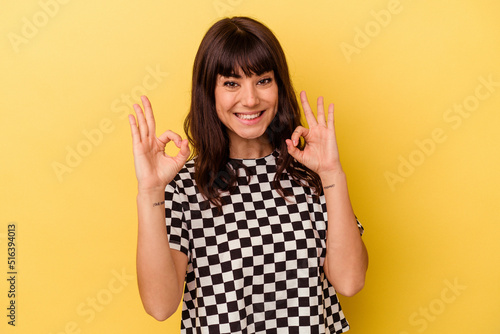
x,y
232,75
237,76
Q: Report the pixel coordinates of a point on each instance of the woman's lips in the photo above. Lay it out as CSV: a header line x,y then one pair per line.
x,y
249,117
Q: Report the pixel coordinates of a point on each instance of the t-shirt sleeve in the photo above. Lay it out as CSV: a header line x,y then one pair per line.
x,y
361,228
178,234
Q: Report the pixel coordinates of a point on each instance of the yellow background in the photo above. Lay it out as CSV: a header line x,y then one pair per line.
x,y
68,67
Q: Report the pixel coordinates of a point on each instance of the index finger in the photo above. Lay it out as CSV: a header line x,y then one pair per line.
x,y
310,118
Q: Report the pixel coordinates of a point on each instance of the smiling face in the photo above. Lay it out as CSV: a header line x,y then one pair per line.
x,y
246,105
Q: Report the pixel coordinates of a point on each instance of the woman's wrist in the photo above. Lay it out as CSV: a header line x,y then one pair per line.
x,y
331,177
156,189
153,195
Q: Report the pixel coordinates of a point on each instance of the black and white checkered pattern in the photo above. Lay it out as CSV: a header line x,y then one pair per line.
x,y
258,267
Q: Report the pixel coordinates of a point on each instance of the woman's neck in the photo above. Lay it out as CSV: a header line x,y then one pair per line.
x,y
240,148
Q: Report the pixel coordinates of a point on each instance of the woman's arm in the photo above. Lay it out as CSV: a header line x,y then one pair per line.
x,y
160,270
346,258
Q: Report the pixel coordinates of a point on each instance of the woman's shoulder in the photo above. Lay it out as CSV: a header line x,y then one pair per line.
x,y
185,176
188,169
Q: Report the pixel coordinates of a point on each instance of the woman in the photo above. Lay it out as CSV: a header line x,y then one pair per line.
x,y
247,217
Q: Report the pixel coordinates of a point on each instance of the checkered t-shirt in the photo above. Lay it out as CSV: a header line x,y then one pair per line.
x,y
258,267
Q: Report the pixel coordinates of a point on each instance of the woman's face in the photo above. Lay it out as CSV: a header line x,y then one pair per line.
x,y
246,105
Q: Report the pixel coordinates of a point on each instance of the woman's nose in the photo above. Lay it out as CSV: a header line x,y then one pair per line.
x,y
250,96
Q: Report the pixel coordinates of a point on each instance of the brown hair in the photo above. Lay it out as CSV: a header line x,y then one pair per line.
x,y
231,43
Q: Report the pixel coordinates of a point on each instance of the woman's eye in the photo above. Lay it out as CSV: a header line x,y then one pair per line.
x,y
265,81
230,84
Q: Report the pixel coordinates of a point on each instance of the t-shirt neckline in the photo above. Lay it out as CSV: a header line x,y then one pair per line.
x,y
257,161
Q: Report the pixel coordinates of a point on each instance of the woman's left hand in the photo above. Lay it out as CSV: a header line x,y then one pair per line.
x,y
320,153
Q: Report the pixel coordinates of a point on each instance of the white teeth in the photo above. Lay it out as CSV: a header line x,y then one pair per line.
x,y
252,116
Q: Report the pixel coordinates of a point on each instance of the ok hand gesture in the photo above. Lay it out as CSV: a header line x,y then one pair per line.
x,y
154,169
320,153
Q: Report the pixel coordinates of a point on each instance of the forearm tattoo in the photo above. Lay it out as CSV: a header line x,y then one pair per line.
x,y
158,203
330,186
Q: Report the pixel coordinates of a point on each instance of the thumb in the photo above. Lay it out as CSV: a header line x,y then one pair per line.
x,y
184,152
294,151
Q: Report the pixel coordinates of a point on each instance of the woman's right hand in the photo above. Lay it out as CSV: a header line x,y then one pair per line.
x,y
153,167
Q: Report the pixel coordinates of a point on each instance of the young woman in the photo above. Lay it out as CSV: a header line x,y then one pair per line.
x,y
259,225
